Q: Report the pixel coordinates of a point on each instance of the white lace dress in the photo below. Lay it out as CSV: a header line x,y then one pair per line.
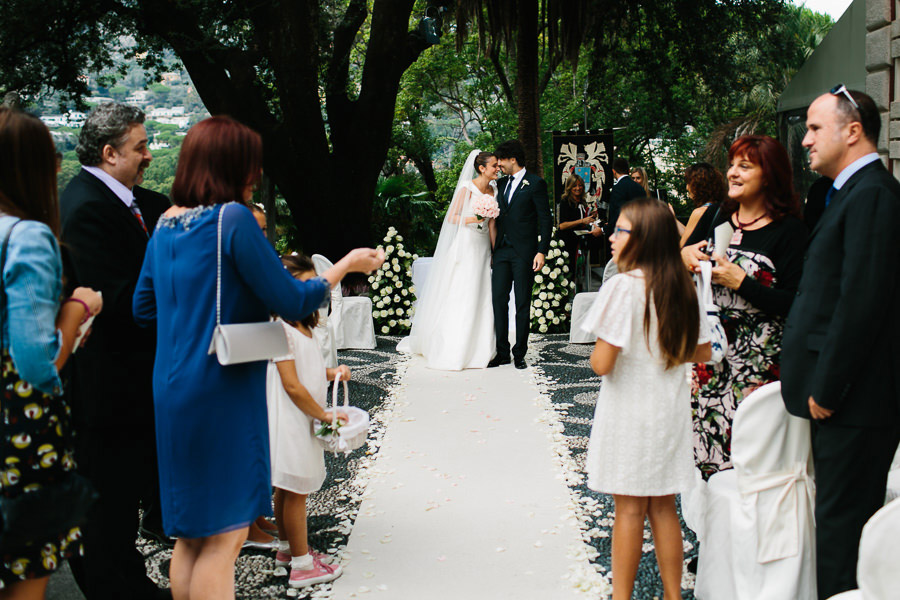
x,y
457,330
641,441
298,460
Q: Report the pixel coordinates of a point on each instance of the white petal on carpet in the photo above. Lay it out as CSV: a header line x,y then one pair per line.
x,y
467,497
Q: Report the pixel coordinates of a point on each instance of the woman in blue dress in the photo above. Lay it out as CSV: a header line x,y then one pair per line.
x,y
211,420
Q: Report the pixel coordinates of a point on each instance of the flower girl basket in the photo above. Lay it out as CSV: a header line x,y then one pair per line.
x,y
344,437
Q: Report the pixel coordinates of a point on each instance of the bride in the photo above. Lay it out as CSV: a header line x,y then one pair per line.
x,y
453,326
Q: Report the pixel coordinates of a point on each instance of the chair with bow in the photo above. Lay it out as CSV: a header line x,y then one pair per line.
x,y
755,522
351,317
879,554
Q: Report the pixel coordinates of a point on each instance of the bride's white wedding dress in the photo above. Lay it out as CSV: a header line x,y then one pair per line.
x,y
453,326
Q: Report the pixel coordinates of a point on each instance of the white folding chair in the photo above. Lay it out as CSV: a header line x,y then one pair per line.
x,y
757,535
581,306
351,317
879,554
893,482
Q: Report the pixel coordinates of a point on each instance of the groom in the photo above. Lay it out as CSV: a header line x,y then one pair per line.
x,y
524,214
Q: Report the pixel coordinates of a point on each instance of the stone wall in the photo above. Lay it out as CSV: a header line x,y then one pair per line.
x,y
882,62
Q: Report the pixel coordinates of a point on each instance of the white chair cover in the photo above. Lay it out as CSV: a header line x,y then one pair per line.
x,y
879,556
420,268
893,482
877,572
351,317
324,334
758,533
581,306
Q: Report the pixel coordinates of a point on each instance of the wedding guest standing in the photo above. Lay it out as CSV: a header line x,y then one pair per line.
x,y
840,360
38,334
574,215
647,323
211,420
706,189
106,221
754,282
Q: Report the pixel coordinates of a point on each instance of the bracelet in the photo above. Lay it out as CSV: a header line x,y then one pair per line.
x,y
87,311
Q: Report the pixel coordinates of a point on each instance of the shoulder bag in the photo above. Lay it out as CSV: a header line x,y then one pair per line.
x,y
242,342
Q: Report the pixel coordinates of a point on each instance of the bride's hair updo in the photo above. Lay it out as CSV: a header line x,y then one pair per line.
x,y
481,160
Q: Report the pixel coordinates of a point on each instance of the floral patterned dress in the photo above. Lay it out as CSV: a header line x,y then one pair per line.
x,y
37,448
753,318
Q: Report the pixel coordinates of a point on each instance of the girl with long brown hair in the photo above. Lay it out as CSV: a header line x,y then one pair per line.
x,y
39,331
648,325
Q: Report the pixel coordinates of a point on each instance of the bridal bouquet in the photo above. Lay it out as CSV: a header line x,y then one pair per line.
x,y
485,207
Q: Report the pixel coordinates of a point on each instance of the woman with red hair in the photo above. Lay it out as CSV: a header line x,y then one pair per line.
x,y
754,281
211,420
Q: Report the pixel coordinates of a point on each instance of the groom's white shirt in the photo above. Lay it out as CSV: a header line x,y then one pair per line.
x,y
511,187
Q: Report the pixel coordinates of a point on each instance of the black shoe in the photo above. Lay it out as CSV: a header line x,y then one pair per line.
x,y
520,363
497,361
158,536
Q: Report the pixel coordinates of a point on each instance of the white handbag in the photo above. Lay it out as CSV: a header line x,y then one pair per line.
x,y
717,338
242,342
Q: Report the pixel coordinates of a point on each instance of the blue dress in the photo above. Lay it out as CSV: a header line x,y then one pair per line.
x,y
212,432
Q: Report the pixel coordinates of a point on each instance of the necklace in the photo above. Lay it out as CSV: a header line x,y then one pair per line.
x,y
739,234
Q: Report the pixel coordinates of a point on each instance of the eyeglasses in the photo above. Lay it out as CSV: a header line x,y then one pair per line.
x,y
842,89
619,230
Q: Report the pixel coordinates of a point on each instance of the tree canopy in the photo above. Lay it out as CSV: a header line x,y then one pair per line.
x,y
342,89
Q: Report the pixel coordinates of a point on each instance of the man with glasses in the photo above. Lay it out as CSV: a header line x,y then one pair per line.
x,y
840,362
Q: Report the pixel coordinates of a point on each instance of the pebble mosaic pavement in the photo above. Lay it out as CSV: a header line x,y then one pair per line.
x,y
572,388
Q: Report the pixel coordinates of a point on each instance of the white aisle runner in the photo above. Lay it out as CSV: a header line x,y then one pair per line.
x,y
467,499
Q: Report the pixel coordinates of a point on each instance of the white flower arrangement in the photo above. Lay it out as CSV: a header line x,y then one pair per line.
x,y
552,293
392,289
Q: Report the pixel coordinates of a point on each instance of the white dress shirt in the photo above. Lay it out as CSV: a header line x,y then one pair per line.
x,y
511,187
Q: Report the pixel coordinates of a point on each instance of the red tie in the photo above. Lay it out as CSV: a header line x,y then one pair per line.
x,y
137,213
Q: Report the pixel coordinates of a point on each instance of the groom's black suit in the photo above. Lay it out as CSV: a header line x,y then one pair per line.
x,y
523,216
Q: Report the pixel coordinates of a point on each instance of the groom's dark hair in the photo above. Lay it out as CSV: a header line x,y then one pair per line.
x,y
511,149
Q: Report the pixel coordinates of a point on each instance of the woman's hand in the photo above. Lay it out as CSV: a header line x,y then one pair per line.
x,y
692,255
365,260
342,416
727,273
92,299
344,371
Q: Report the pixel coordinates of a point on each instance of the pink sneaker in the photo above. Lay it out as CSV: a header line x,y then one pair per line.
x,y
320,573
283,559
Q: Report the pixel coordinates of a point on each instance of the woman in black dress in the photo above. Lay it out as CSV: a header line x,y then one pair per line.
x,y
574,215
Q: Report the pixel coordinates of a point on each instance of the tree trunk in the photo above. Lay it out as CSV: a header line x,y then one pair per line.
x,y
326,173
527,89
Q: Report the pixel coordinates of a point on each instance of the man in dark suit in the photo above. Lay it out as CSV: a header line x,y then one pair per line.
x,y
624,189
518,255
106,221
840,362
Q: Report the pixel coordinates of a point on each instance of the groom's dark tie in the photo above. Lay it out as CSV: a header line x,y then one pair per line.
x,y
509,183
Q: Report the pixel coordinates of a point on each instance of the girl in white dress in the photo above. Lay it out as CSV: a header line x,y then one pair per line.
x,y
296,388
648,325
453,326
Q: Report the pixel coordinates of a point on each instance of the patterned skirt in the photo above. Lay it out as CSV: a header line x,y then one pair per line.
x,y
37,448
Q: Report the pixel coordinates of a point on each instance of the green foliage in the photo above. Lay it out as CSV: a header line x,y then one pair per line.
x,y
413,213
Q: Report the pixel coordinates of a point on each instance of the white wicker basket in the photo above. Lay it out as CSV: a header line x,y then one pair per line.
x,y
350,435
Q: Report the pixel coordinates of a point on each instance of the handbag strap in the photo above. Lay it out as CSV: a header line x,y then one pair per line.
x,y
3,299
219,268
334,398
711,232
3,250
